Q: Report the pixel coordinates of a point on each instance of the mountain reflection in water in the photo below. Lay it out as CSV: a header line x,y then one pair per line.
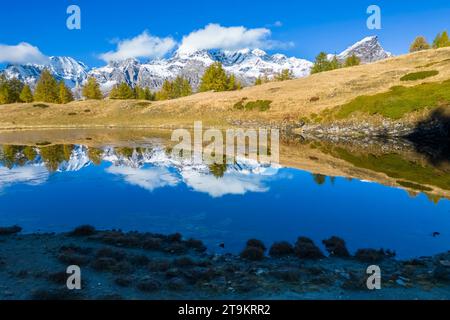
x,y
319,190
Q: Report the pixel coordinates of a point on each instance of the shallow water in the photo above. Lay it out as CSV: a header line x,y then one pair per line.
x,y
56,188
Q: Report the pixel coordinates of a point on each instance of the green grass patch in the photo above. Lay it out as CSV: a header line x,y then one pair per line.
x,y
398,101
260,105
419,75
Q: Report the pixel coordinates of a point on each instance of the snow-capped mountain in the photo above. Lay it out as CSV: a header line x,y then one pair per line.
x,y
368,50
149,168
246,65
63,68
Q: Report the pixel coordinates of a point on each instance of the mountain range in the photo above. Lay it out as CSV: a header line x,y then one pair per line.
x,y
246,65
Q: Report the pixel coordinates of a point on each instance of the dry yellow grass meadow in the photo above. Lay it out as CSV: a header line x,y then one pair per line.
x,y
291,100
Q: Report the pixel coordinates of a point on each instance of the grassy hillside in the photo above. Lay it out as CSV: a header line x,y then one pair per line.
x,y
333,91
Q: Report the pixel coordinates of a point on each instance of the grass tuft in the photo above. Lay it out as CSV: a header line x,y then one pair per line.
x,y
419,75
260,105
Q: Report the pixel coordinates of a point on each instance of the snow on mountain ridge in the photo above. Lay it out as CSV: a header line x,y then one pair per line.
x,y
368,50
246,64
63,68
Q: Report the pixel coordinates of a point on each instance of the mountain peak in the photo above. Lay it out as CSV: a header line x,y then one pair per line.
x,y
259,52
368,50
247,64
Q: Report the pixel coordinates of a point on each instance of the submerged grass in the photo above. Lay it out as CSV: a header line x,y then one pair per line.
x,y
398,101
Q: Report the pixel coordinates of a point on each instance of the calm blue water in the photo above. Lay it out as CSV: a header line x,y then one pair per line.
x,y
248,201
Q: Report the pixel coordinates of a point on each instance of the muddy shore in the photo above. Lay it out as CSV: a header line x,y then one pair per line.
x,y
117,265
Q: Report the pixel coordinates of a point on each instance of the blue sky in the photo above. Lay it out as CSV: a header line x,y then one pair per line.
x,y
311,26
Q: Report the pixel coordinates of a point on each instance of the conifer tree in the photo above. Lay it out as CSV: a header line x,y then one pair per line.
x,y
321,64
148,94
419,44
351,61
91,90
47,89
166,91
180,88
26,95
335,64
441,40
65,94
4,90
214,79
122,92
15,87
284,75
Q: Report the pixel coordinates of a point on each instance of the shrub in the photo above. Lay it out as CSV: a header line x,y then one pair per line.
x,y
419,75
256,244
6,231
281,249
336,247
252,253
306,249
83,231
197,245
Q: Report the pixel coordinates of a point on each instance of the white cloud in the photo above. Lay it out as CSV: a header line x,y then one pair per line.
x,y
232,183
142,46
278,24
21,54
30,175
149,179
215,36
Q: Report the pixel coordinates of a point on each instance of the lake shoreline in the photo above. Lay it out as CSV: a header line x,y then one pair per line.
x,y
117,265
